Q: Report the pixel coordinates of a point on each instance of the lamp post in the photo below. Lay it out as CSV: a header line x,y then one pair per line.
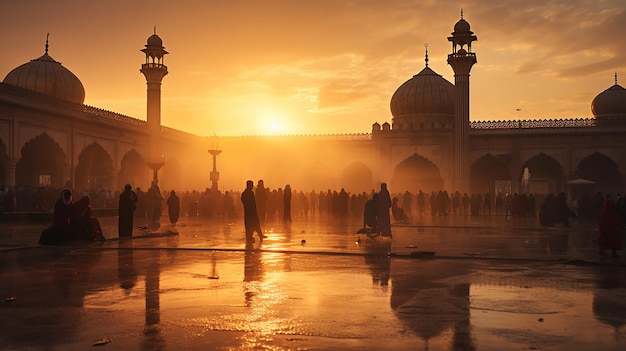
x,y
215,175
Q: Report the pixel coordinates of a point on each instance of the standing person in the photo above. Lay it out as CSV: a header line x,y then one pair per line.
x,y
609,235
173,207
154,201
250,214
261,200
383,205
287,204
126,211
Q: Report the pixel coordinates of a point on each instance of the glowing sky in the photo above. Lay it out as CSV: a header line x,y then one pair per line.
x,y
321,66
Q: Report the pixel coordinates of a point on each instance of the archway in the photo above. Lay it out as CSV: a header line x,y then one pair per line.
x,y
416,173
42,163
545,175
94,170
133,170
357,178
485,172
603,171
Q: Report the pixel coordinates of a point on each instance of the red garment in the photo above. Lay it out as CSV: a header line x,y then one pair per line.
x,y
609,234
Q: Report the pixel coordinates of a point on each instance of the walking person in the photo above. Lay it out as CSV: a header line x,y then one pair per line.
x,y
126,211
250,214
173,207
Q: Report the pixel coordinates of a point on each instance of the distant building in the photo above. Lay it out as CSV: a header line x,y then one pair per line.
x,y
48,136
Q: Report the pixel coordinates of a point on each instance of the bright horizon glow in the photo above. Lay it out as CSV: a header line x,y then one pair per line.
x,y
321,67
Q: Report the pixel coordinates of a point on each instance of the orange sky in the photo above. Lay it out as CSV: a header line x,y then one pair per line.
x,y
246,67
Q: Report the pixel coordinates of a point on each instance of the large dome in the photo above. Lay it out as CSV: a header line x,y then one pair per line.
x,y
426,94
47,76
611,102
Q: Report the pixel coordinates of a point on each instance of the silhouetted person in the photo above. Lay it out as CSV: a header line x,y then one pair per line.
x,y
126,211
397,212
609,234
261,200
369,213
383,205
287,204
173,207
60,231
84,225
250,214
154,201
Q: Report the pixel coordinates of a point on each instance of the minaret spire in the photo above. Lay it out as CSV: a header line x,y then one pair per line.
x,y
426,58
47,35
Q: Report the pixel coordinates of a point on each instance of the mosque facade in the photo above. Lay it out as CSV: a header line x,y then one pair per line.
x,y
48,136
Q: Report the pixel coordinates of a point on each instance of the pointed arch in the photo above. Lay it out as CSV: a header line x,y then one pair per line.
x,y
357,178
546,174
603,171
43,162
133,170
485,172
94,170
416,172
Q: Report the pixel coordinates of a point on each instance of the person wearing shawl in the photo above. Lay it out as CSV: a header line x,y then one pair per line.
x,y
609,234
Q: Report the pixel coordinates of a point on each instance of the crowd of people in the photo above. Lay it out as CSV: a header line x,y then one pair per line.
x,y
275,204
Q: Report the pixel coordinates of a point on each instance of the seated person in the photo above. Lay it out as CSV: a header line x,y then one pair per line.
x,y
84,225
59,232
369,213
397,212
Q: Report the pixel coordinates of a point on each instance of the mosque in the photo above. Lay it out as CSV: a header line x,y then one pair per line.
x,y
48,136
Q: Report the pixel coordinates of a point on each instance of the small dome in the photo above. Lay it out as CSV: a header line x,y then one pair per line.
x,y
427,93
611,102
462,26
46,76
154,40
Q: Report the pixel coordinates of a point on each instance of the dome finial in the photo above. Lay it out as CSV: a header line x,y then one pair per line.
x,y
47,35
155,29
426,58
461,13
615,77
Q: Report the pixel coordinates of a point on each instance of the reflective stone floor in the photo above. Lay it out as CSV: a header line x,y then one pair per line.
x,y
491,284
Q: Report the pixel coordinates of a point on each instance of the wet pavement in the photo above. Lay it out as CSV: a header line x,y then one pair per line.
x,y
455,283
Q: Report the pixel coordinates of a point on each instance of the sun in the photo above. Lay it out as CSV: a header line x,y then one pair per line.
x,y
272,122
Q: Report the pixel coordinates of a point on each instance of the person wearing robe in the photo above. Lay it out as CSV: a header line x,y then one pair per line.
x,y
84,226
154,201
287,204
173,207
60,231
397,212
369,213
126,211
261,195
609,234
250,214
383,219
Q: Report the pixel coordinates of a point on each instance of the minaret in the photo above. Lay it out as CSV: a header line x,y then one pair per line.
x,y
154,70
461,61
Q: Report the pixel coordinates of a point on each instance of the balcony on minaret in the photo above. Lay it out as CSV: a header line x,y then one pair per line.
x,y
154,69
